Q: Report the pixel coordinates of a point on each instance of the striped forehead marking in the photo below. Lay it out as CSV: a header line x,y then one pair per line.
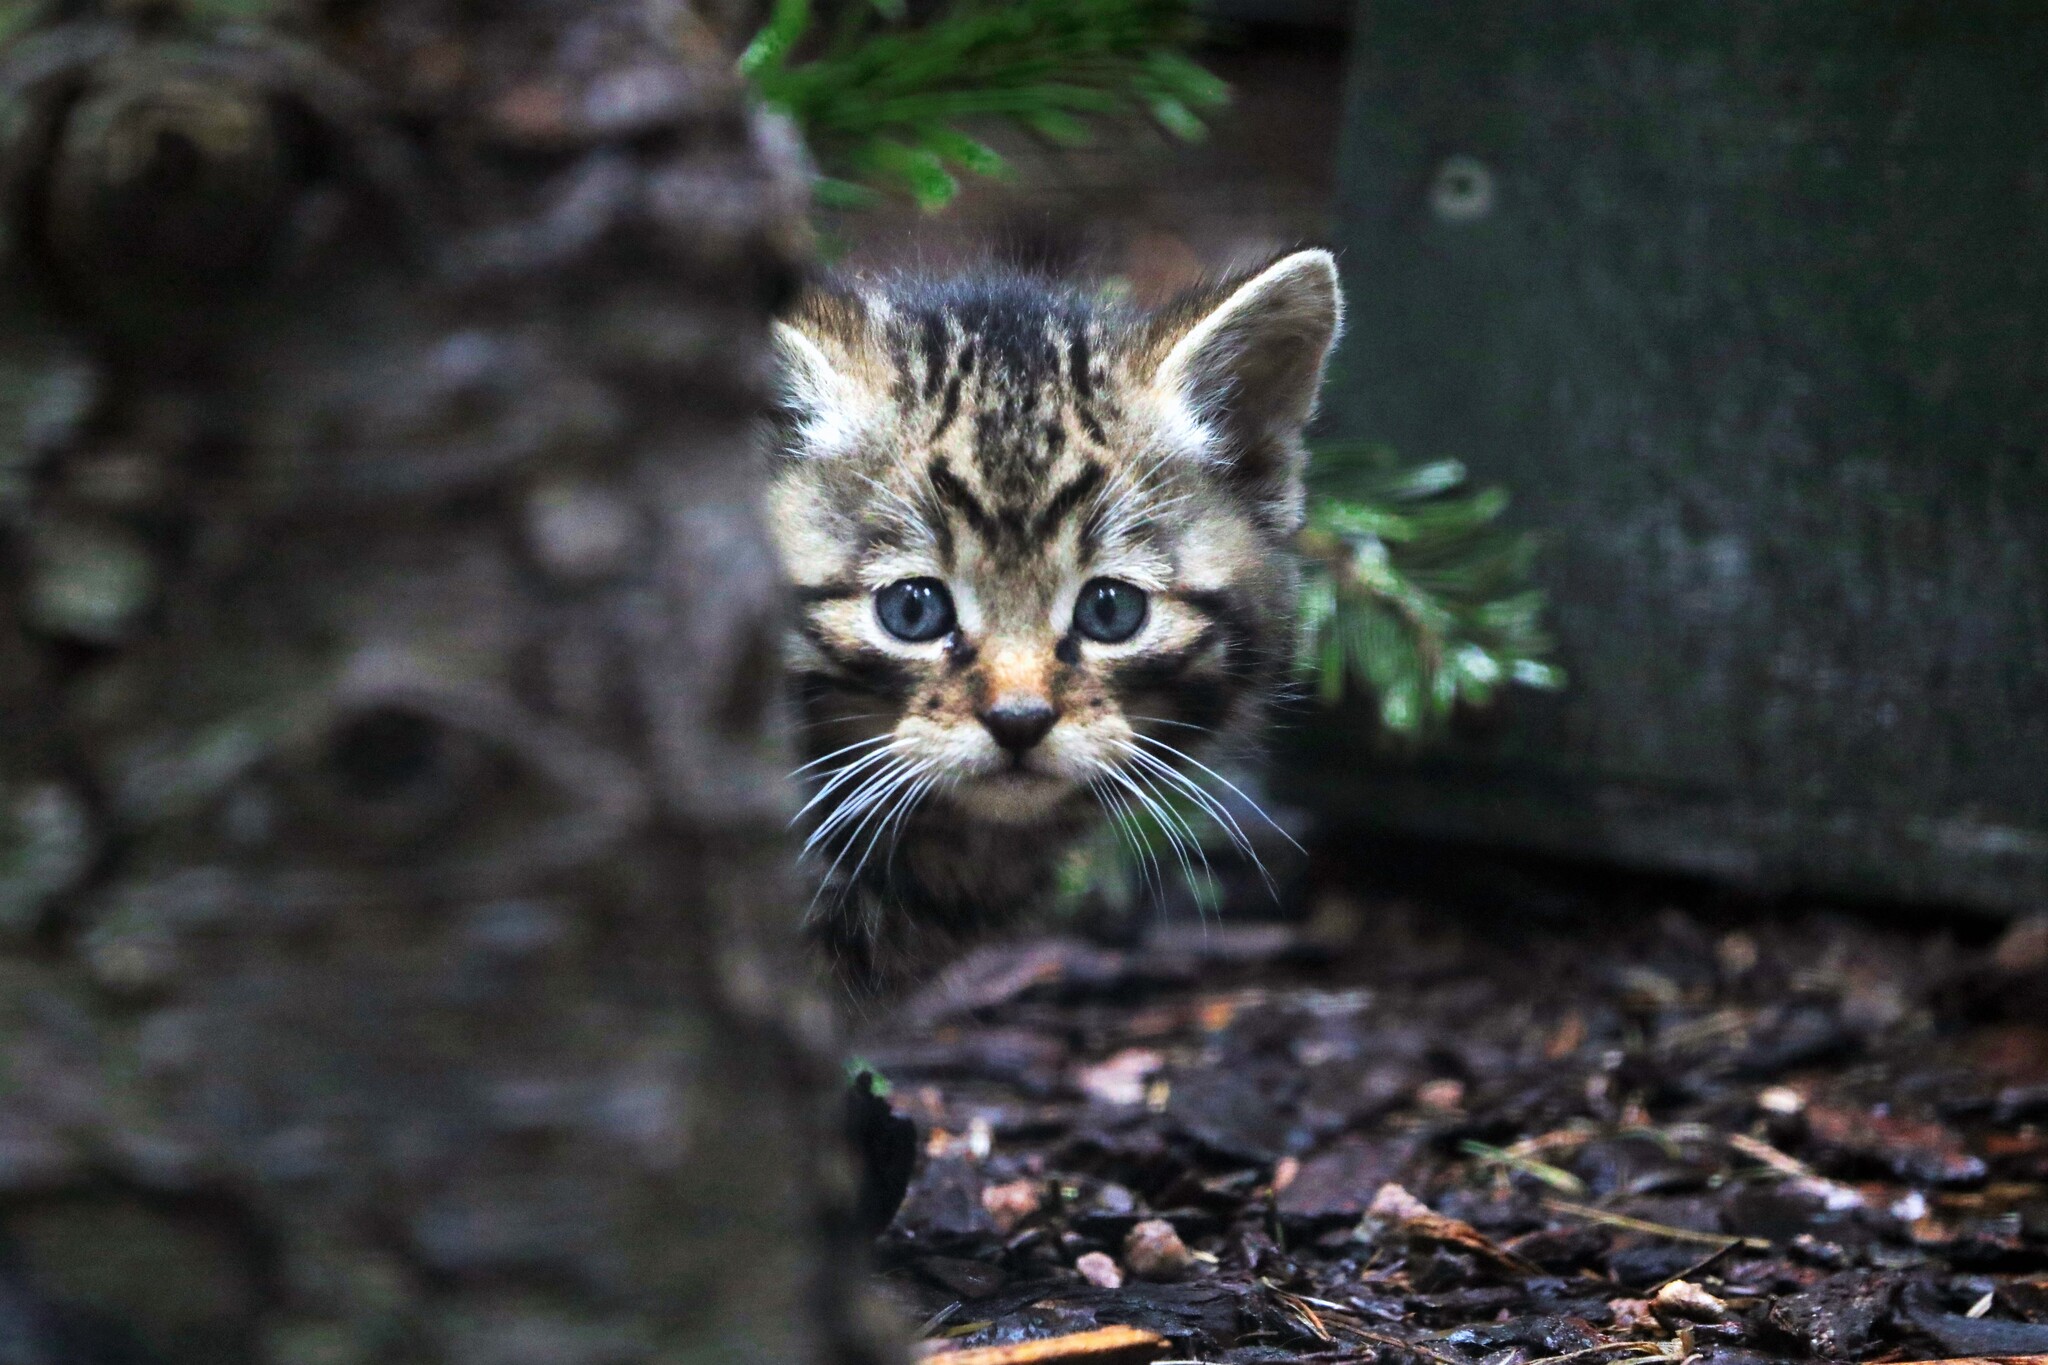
x,y
1018,526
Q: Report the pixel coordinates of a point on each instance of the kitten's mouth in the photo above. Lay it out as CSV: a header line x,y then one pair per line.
x,y
1019,776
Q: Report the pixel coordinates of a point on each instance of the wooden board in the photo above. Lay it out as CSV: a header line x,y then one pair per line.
x,y
1748,304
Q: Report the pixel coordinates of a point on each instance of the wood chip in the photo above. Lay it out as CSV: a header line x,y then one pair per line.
x,y
1761,1152
1394,1211
1103,1346
1684,1301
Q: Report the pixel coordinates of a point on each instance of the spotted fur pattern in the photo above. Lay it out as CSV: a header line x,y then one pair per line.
x,y
1018,442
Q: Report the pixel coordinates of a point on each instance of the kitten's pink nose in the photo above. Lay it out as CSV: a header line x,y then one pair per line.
x,y
1019,722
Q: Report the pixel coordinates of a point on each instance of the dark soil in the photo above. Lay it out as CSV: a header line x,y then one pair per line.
x,y
1523,1119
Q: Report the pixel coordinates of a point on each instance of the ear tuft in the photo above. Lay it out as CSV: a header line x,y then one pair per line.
x,y
824,406
1248,360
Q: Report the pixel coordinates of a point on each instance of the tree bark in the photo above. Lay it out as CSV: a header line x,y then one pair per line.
x,y
396,946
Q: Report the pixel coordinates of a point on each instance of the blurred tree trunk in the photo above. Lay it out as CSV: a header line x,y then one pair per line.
x,y
395,948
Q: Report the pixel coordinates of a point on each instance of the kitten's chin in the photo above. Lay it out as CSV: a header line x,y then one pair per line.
x,y
1014,798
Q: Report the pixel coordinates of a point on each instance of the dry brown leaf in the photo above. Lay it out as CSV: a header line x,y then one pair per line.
x,y
1397,1211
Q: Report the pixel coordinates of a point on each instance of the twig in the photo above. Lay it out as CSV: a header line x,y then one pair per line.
x,y
1762,1153
1623,1221
1103,1346
1389,1339
1302,1312
1647,1347
1695,1268
937,1320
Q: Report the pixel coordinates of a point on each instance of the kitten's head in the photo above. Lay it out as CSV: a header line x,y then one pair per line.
x,y
1035,535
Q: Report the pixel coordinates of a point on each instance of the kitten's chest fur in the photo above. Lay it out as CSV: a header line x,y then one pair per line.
x,y
948,883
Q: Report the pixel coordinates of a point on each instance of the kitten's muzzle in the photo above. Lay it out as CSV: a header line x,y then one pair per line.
x,y
1019,723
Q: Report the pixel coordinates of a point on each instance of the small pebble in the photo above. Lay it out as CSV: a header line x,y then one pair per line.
x,y
2024,947
1684,1301
1154,1251
1780,1099
91,581
1632,1316
1392,1203
1646,989
1099,1270
47,840
1121,1079
1011,1203
1737,953
132,964
1442,1095
1113,1198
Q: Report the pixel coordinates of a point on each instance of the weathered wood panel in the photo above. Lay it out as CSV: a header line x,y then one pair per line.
x,y
1748,303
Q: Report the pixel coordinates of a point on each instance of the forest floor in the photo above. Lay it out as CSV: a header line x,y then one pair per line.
x,y
1508,1118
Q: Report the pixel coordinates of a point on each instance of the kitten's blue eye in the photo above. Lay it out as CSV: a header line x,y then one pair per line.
x,y
1109,610
915,609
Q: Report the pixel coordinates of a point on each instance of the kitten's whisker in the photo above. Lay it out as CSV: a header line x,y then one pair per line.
x,y
1128,830
1160,817
1212,806
897,779
1256,808
861,800
1123,502
937,781
1173,827
821,722
860,804
1185,837
845,771
1207,800
1162,720
901,798
1119,820
841,776
844,749
908,806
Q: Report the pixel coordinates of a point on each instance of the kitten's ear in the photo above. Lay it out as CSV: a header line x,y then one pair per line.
x,y
1247,363
823,402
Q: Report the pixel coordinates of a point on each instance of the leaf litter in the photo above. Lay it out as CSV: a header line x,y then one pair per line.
x,y
1620,1125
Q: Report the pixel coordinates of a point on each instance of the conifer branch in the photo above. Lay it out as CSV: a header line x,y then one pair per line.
x,y
1414,591
885,103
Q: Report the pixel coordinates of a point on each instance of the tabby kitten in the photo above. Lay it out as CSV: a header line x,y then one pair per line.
x,y
1041,551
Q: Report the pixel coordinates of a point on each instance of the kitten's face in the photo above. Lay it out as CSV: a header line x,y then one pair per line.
x,y
1039,544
